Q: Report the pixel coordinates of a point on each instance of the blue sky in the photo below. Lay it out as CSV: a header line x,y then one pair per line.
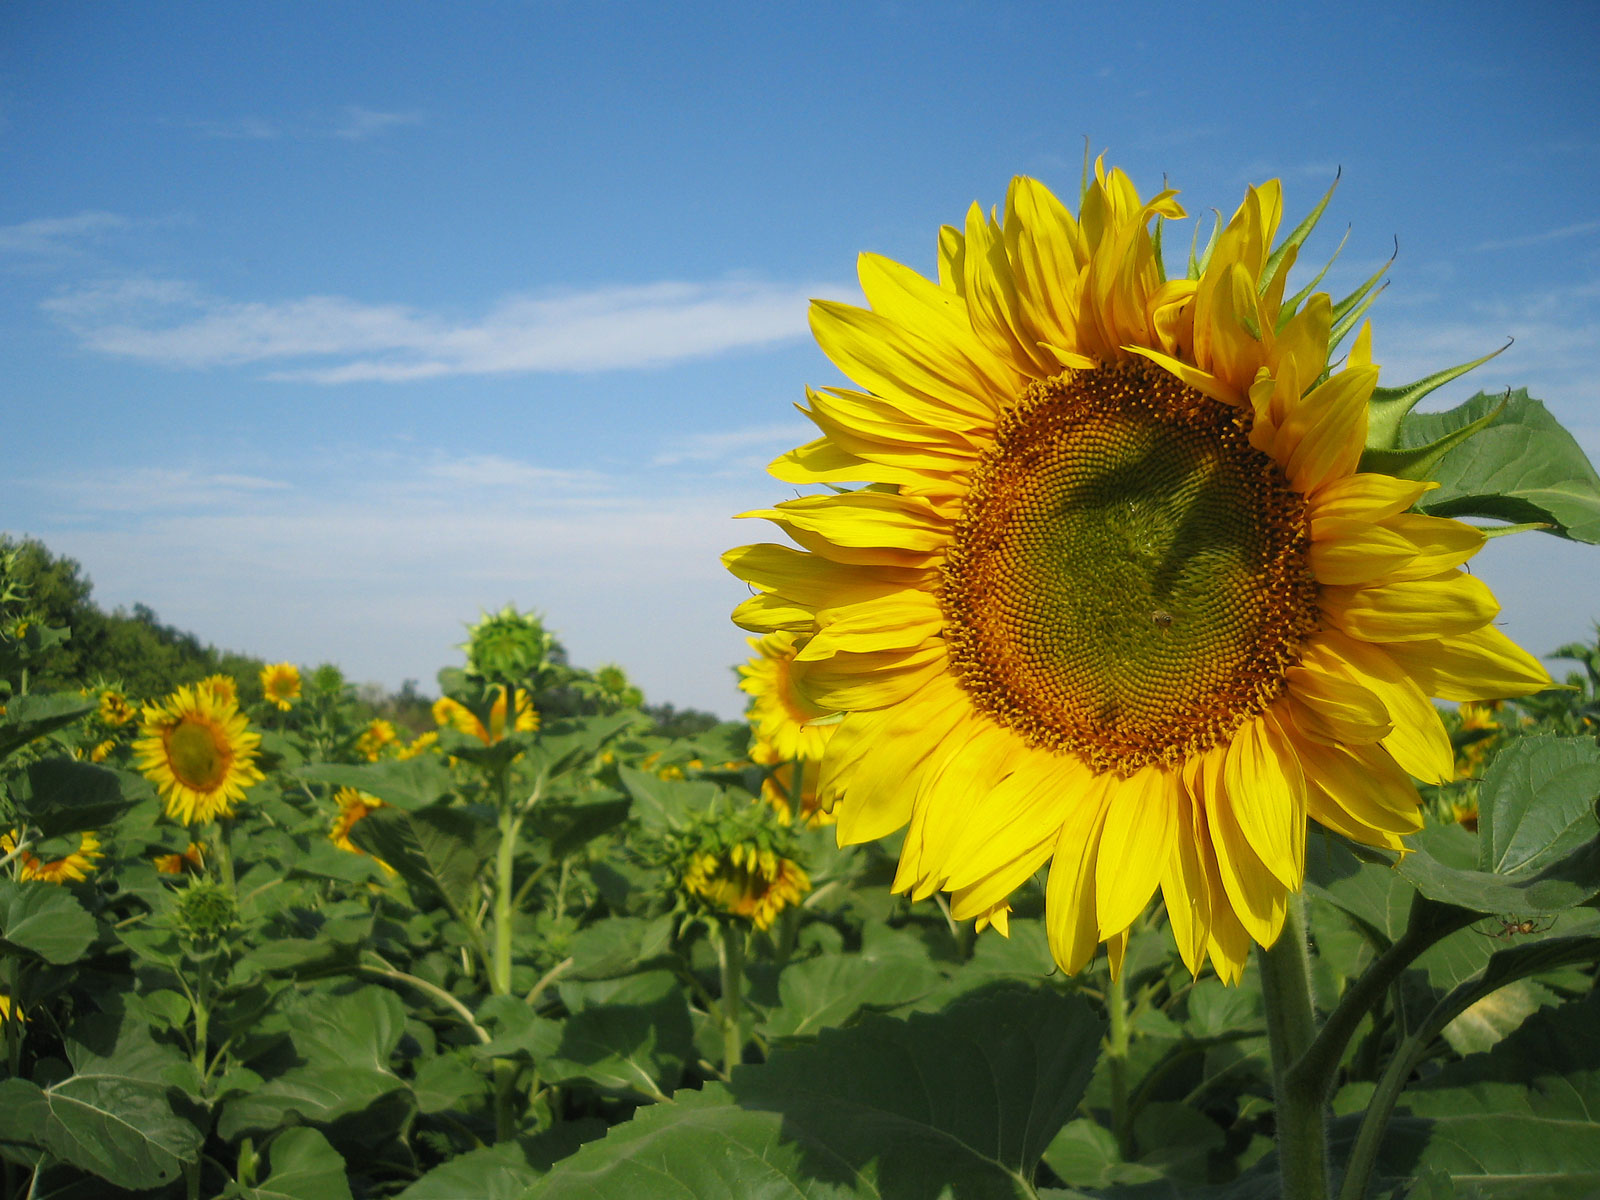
x,y
326,325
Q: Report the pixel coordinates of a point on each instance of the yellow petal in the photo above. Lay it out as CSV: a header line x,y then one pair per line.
x,y
1255,896
1365,496
1413,610
1140,824
1418,741
1070,918
1266,796
1344,551
1481,665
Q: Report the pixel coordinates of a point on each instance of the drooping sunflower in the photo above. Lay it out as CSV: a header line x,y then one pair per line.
x,y
1115,594
74,867
746,880
114,710
452,714
191,860
199,752
354,806
280,682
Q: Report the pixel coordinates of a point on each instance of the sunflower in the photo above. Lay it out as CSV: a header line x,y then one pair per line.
x,y
353,807
223,687
452,714
75,867
280,682
746,880
781,716
420,744
114,709
1116,595
778,788
378,734
199,752
10,1010
193,859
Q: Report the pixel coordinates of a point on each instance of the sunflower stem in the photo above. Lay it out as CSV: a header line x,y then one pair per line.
x,y
730,961
1117,1042
505,862
1291,1028
224,849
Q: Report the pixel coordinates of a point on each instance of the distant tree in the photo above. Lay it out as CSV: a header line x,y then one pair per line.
x,y
676,722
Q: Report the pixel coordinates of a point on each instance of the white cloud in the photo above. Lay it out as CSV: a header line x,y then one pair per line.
x,y
54,235
357,124
736,447
378,561
249,129
1538,239
334,339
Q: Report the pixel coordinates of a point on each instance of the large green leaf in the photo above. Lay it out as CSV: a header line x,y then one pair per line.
x,y
666,803
829,989
1517,1121
405,783
44,919
61,796
436,850
634,1043
112,1116
28,717
960,1103
303,1167
344,1043
1522,467
1536,804
1442,866
491,1173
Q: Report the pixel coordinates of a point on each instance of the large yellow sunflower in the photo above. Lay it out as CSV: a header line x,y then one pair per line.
x,y
199,752
1116,596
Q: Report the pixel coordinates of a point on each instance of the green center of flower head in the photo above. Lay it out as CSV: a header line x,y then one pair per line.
x,y
197,755
1130,578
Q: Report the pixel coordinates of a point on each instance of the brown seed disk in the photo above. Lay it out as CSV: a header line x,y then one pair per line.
x,y
1130,578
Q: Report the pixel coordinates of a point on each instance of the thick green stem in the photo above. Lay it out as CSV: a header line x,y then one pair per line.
x,y
1117,1041
505,1096
1291,1028
224,852
504,864
200,1002
730,958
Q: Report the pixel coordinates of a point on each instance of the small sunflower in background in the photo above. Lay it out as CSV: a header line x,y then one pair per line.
x,y
420,744
354,806
1116,595
789,732
191,861
377,735
223,687
739,864
452,714
114,710
280,683
73,867
200,753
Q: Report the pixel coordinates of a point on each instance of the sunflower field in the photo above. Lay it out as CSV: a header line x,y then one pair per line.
x,y
1118,613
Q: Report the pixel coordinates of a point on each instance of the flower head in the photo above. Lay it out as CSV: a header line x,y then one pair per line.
x,y
73,867
192,860
452,714
223,687
507,646
378,734
1116,596
199,752
738,864
280,683
114,710
353,807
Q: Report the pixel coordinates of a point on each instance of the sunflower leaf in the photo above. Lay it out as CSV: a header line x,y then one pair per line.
x,y
411,783
970,1097
303,1167
437,850
44,919
61,796
1442,867
29,717
1519,466
1536,804
1517,1120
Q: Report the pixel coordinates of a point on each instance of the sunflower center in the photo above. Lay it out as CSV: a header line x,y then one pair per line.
x,y
198,755
1130,578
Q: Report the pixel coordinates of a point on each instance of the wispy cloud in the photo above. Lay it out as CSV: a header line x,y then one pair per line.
x,y
1538,239
57,235
353,122
357,124
376,561
741,448
334,339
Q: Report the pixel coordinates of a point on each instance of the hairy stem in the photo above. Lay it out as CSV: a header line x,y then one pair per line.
x,y
1291,1029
